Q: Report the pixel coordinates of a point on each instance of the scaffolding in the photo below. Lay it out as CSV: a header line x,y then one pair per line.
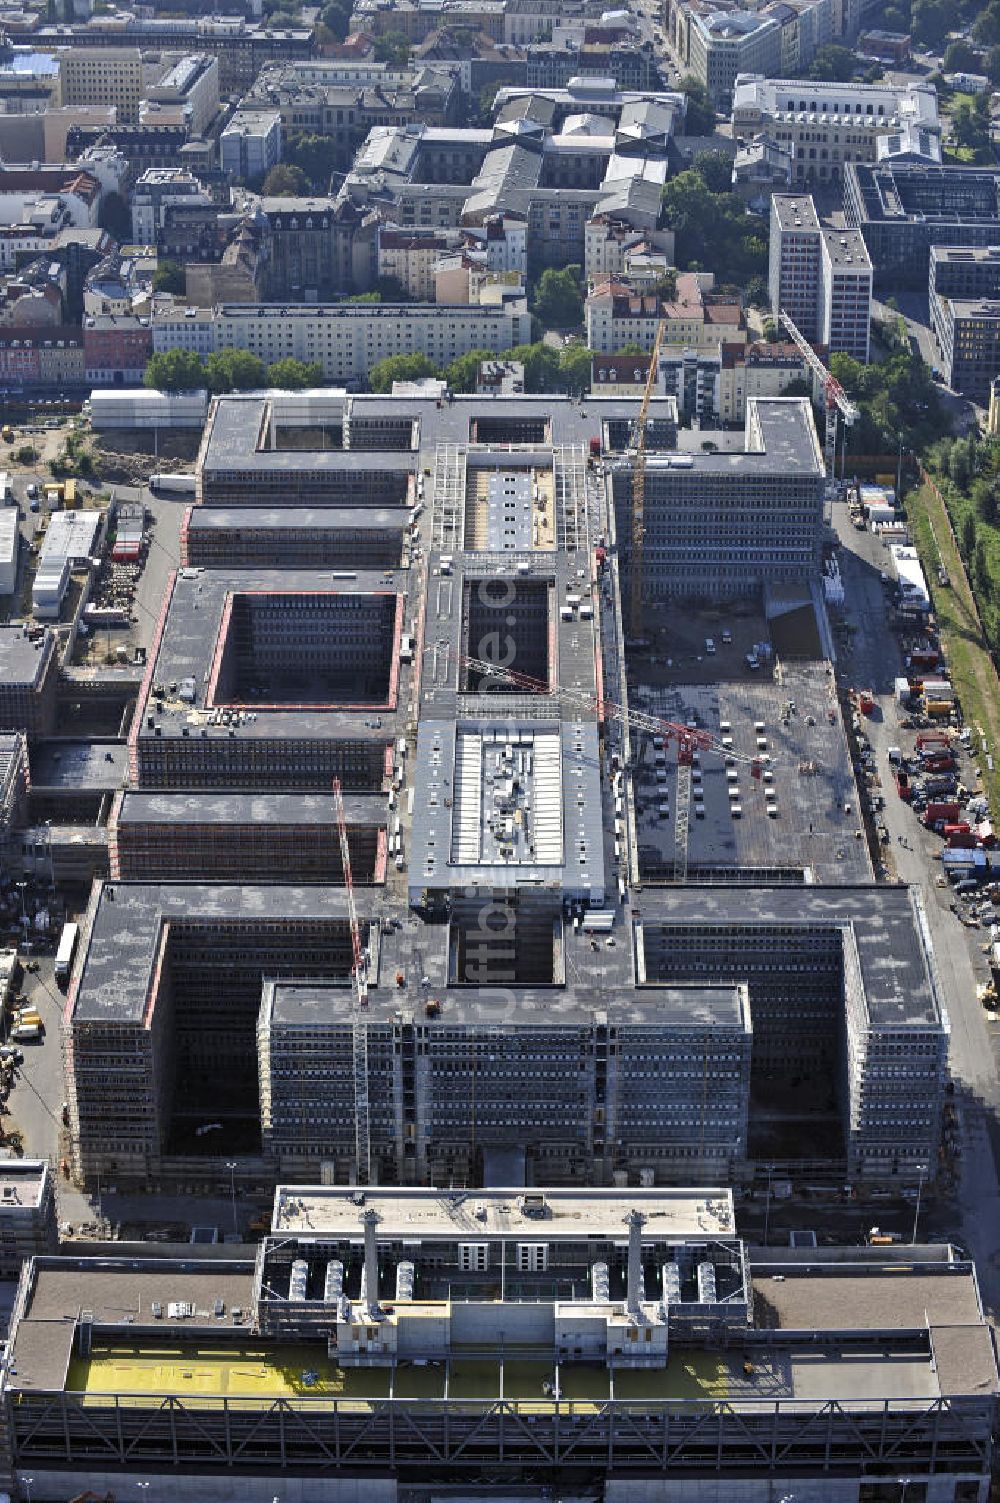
x,y
359,1028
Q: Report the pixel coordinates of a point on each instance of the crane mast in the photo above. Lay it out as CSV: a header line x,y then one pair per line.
x,y
359,1025
689,739
838,403
637,561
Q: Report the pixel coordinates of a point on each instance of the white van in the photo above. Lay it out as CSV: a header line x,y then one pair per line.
x,y
710,646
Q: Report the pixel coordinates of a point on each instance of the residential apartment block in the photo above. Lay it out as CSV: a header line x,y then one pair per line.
x,y
347,339
617,316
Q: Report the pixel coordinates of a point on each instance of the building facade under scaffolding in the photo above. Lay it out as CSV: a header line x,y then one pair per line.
x,y
618,1345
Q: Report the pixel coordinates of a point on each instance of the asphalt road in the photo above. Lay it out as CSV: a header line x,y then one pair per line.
x,y
973,1216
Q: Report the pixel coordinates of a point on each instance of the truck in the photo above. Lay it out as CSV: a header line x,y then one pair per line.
x,y
923,658
65,953
945,763
177,485
26,1033
932,738
941,812
904,787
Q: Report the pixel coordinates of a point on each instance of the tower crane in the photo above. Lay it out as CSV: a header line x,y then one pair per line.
x,y
838,403
689,739
359,1025
637,560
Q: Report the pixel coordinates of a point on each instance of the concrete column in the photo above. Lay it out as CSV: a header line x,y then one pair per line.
x,y
370,1219
634,1221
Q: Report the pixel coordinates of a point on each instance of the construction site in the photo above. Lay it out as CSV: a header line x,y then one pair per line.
x,y
469,869
616,1343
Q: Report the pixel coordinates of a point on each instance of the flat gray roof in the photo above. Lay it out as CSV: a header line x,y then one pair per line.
x,y
312,518
444,1215
189,641
116,979
715,1006
866,1298
116,1292
795,211
887,922
788,446
21,659
847,248
141,808
79,766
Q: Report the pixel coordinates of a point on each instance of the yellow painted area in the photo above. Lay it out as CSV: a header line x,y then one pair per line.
x,y
253,1374
224,1372
688,1375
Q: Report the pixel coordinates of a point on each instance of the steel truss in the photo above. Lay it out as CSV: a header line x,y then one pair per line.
x,y
450,1437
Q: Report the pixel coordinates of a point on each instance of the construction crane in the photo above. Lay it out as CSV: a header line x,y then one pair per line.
x,y
838,403
359,1023
637,560
689,739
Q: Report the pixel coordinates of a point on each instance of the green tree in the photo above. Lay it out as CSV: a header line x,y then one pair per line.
x,y
393,47
715,168
712,229
757,294
315,156
461,374
699,118
986,27
487,99
574,368
632,348
295,375
400,368
26,454
960,463
168,277
337,18
285,181
558,300
833,64
931,21
366,297
967,535
541,366
175,370
993,65
959,57
971,122
984,499
234,370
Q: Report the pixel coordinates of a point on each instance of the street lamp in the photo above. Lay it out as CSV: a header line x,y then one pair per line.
x,y
231,1166
27,1483
767,1203
916,1213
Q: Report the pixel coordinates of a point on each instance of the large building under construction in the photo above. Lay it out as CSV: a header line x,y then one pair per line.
x,y
581,957
406,1344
